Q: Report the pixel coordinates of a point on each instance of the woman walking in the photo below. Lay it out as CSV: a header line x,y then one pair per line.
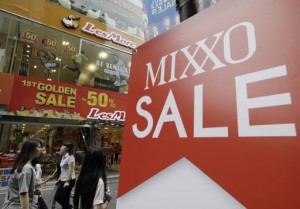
x,y
67,176
21,188
39,181
91,185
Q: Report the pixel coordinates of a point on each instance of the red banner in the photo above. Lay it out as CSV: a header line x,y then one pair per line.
x,y
6,86
213,112
34,97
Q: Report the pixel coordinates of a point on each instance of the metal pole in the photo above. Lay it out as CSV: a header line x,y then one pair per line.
x,y
185,8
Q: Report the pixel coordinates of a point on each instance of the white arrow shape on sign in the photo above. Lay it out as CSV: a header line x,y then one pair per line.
x,y
181,185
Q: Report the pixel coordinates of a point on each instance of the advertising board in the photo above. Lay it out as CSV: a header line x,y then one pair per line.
x,y
213,112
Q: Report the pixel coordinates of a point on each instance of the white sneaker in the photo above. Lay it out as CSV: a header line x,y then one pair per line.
x,y
123,83
117,83
67,22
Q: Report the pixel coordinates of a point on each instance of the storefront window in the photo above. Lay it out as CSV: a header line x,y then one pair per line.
x,y
34,50
58,112
8,40
106,68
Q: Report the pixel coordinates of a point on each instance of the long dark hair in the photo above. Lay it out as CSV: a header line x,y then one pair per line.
x,y
37,159
26,153
92,169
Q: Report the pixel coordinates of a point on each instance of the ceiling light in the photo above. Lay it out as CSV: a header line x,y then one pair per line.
x,y
65,43
103,55
92,68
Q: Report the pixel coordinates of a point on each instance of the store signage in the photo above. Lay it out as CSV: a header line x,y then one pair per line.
x,y
41,98
4,176
50,43
111,36
71,21
70,48
160,16
30,37
95,113
213,115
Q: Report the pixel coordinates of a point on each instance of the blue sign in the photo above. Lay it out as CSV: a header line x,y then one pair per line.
x,y
4,176
161,15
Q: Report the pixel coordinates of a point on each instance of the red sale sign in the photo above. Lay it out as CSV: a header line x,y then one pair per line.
x,y
34,97
213,116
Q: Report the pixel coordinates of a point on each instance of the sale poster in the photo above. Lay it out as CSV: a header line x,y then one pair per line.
x,y
159,17
213,112
4,177
33,97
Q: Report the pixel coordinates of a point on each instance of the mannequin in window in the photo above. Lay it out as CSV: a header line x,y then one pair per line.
x,y
77,61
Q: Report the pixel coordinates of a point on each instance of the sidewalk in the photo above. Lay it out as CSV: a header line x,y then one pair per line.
x,y
113,171
112,176
47,189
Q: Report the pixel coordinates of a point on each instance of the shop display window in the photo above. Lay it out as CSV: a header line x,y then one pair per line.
x,y
124,15
34,50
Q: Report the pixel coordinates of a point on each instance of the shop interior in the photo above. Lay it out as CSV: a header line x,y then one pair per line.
x,y
105,134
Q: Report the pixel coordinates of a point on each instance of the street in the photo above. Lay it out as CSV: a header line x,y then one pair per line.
x,y
47,190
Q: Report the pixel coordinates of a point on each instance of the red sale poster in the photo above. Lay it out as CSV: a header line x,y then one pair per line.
x,y
213,115
32,97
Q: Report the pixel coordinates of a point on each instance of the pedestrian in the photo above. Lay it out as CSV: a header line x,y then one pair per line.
x,y
21,187
39,180
77,61
117,149
56,175
91,191
67,177
112,153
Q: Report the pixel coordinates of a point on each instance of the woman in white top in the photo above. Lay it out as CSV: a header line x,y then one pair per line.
x,y
91,184
20,192
67,177
39,180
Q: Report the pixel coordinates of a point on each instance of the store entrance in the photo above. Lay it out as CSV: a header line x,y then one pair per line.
x,y
106,135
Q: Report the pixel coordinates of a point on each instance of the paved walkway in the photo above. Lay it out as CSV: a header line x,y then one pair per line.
x,y
47,189
112,174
